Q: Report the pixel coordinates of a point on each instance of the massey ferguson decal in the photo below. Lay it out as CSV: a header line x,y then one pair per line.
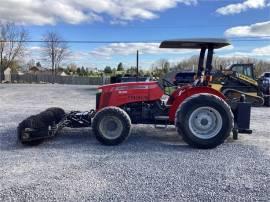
x,y
137,97
121,92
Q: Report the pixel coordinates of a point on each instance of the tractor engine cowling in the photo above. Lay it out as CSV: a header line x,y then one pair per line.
x,y
124,93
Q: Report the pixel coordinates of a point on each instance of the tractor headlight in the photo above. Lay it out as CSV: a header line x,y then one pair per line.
x,y
99,90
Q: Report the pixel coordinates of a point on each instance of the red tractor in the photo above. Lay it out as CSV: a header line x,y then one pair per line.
x,y
201,115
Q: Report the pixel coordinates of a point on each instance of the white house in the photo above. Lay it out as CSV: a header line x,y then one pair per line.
x,y
63,74
20,73
7,74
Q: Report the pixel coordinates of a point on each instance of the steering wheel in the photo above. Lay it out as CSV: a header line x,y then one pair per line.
x,y
167,87
166,83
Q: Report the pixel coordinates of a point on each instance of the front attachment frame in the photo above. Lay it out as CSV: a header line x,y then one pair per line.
x,y
74,119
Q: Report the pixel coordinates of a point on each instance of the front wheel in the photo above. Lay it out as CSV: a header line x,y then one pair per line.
x,y
204,120
111,125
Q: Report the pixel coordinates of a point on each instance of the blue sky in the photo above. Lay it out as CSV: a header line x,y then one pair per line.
x,y
141,21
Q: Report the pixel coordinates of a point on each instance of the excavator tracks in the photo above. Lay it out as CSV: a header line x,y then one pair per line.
x,y
235,95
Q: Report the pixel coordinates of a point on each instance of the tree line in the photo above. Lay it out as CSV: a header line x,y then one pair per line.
x,y
13,42
222,62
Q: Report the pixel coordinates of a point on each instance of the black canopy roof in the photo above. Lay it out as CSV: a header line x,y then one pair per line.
x,y
195,43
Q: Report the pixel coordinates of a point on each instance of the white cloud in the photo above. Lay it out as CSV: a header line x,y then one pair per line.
x,y
42,12
256,52
37,53
34,48
261,29
263,51
241,7
226,48
124,49
77,56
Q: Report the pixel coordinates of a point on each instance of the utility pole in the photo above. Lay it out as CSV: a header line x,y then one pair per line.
x,y
137,65
1,74
1,67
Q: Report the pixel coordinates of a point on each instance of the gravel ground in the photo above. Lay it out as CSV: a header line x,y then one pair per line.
x,y
152,165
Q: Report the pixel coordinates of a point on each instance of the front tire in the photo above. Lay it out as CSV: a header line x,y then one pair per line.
x,y
204,121
111,126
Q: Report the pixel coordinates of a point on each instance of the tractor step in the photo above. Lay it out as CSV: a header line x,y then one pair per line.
x,y
161,122
162,118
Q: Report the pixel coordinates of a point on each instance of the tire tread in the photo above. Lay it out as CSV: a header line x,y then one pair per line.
x,y
180,119
124,118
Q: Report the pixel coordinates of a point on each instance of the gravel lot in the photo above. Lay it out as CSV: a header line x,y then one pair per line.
x,y
152,165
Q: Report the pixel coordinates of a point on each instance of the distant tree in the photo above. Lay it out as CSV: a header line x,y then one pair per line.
x,y
120,67
78,71
147,73
192,63
30,63
160,68
141,72
60,69
12,45
72,67
38,64
54,49
188,64
107,70
83,71
131,71
14,65
114,71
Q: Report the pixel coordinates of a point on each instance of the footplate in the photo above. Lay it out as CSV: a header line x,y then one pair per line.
x,y
48,123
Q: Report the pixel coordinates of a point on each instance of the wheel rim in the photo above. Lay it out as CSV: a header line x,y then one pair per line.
x,y
205,122
111,127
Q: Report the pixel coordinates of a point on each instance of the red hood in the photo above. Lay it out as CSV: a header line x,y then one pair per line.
x,y
128,84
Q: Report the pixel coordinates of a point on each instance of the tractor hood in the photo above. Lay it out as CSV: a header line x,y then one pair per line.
x,y
120,94
129,86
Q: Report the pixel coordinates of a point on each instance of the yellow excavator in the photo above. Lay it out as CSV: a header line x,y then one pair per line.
x,y
239,79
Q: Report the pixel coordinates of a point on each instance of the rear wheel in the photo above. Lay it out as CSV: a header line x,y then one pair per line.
x,y
111,126
204,120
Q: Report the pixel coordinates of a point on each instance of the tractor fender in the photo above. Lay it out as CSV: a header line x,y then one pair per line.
x,y
182,93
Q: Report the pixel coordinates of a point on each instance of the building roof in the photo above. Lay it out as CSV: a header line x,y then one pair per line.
x,y
34,69
195,43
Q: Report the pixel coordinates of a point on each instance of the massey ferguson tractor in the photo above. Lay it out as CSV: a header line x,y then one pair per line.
x,y
201,114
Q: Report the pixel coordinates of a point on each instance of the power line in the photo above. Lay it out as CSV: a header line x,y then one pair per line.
x,y
167,26
255,39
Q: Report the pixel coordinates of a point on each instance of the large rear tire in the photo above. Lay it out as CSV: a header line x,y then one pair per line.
x,y
111,126
204,121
